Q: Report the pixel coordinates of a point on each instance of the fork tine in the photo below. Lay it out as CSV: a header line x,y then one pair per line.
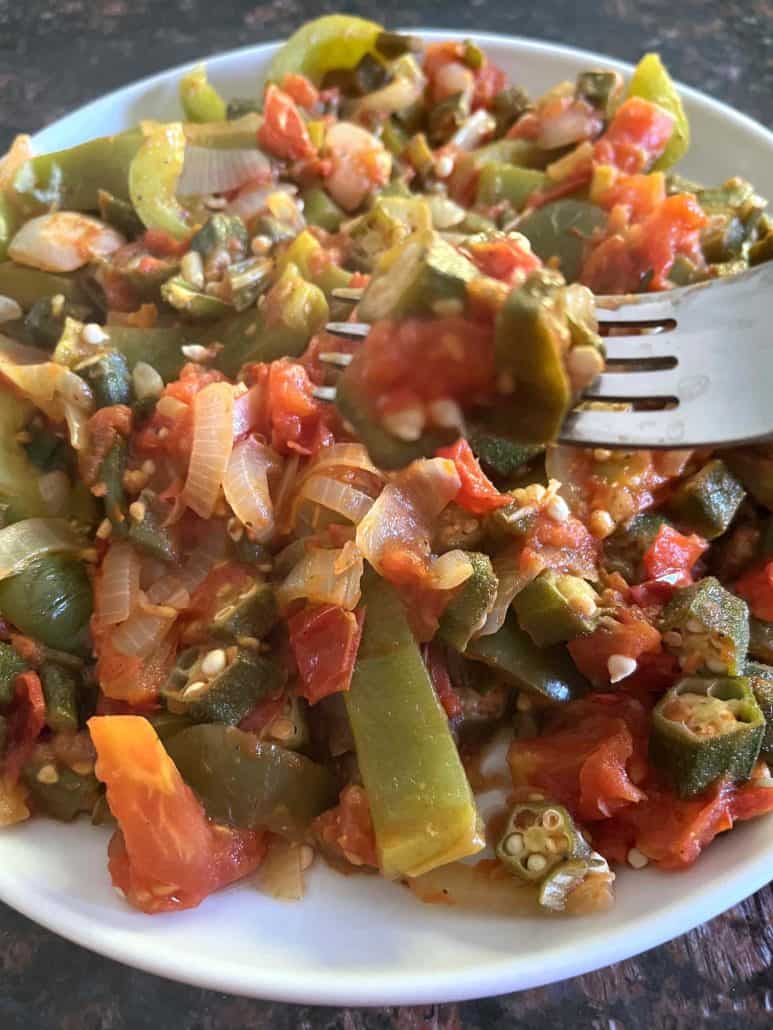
x,y
629,429
637,309
634,386
348,330
656,346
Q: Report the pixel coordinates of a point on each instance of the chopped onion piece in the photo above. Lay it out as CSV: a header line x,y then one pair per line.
x,y
23,542
246,487
210,170
450,570
211,450
316,579
118,584
252,199
341,455
62,241
281,875
342,498
472,132
141,634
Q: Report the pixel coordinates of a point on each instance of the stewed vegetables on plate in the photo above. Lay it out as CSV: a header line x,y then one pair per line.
x,y
270,591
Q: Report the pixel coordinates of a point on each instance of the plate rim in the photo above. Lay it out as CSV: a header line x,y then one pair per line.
x,y
503,974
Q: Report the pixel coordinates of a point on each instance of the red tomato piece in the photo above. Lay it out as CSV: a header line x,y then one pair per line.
x,y
756,587
299,89
284,131
325,640
639,195
161,244
489,80
167,855
298,420
636,136
506,259
671,556
136,681
25,722
478,494
632,638
346,831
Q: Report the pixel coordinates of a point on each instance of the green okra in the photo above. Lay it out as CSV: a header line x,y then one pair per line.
x,y
466,613
506,182
706,502
11,664
109,378
707,628
152,533
65,797
50,601
226,696
251,613
556,607
559,232
60,690
760,677
539,836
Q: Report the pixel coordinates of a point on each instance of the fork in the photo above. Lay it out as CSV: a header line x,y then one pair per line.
x,y
690,367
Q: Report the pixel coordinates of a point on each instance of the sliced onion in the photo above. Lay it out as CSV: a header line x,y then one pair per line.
x,y
450,570
25,541
473,130
119,583
316,579
342,455
281,875
208,170
252,199
211,450
342,498
284,492
578,121
55,488
63,241
404,513
246,487
511,578
141,634
169,591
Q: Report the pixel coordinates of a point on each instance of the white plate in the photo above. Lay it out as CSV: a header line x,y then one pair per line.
x,y
358,940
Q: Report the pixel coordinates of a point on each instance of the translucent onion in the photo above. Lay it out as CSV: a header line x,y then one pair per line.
x,y
211,450
253,198
281,875
512,578
25,541
210,170
316,579
141,634
169,591
342,455
246,487
473,130
450,570
342,498
404,514
576,122
63,241
119,584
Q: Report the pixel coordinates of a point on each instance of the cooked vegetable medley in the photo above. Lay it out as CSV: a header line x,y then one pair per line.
x,y
268,592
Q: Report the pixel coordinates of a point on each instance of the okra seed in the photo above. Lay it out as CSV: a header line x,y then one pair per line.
x,y
260,245
213,663
93,334
536,863
446,413
406,424
47,774
104,529
146,381
693,626
195,352
601,524
9,309
444,166
82,768
637,859
620,667
601,454
195,690
215,203
551,819
513,845
524,702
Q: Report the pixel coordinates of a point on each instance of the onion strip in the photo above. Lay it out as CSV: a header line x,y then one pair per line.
x,y
212,170
211,450
341,498
119,584
246,487
315,577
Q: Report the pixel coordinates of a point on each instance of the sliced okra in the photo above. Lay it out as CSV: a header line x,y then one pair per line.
x,y
540,835
707,628
556,607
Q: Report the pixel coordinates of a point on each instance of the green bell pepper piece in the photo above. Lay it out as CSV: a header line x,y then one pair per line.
x,y
507,182
548,673
307,253
754,467
368,75
28,285
555,607
11,664
321,210
560,230
60,689
120,214
326,43
651,81
159,347
51,601
252,613
422,807
250,783
64,798
167,724
539,836
707,501
704,728
152,533
70,180
228,695
200,101
625,548
761,680
713,625
153,175
466,612
109,378
9,223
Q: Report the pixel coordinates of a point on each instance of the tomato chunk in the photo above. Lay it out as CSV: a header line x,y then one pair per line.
x,y
636,136
284,131
325,640
672,555
166,855
509,259
346,831
756,587
632,637
477,494
25,722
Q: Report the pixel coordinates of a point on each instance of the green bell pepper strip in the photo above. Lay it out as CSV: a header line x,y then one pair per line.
x,y
27,285
705,728
547,673
70,180
119,213
752,465
761,679
712,627
625,548
109,379
422,806
60,689
507,182
110,476
707,501
200,101
192,304
159,347
250,783
152,533
221,231
321,210
560,230
651,81
19,492
166,724
326,43
64,798
499,455
538,837
556,607
153,175
250,614
466,613
50,601
11,664
225,697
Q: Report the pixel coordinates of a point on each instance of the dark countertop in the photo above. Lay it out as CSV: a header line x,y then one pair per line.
x,y
58,54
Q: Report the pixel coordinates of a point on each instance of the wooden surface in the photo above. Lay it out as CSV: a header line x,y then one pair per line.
x,y
57,54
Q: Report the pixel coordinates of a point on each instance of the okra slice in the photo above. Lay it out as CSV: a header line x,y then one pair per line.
x,y
60,690
220,684
761,679
599,88
548,673
754,467
561,230
705,728
226,232
707,628
556,607
466,612
151,532
110,478
625,548
423,275
565,877
539,836
499,455
707,501
194,304
11,664
109,378
58,791
390,221
250,613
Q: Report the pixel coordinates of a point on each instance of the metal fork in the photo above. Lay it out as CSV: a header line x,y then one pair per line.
x,y
693,366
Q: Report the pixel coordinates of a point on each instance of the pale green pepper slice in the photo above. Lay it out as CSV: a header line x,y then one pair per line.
x,y
200,101
153,176
651,81
330,42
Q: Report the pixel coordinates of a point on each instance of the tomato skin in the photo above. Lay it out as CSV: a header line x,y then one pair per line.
x,y
135,681
756,587
507,259
325,640
477,494
166,855
672,554
636,136
346,831
489,80
639,195
632,637
25,722
284,131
